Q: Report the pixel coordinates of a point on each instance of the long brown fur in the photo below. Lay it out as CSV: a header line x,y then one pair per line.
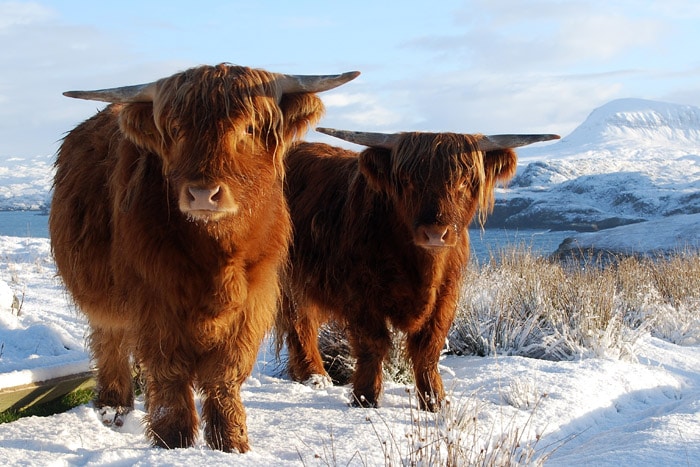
x,y
186,298
359,255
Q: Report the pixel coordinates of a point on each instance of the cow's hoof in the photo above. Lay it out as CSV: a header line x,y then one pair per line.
x,y
319,382
363,402
113,416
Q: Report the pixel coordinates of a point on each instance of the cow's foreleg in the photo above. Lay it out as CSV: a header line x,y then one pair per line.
x,y
224,416
172,419
221,374
370,345
115,393
424,348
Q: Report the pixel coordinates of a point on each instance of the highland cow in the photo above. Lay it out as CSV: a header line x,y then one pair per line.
x,y
381,242
169,227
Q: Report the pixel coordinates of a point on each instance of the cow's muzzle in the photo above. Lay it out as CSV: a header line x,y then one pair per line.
x,y
200,202
434,236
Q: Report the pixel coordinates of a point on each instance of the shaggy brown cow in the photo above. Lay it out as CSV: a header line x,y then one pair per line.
x,y
169,225
381,239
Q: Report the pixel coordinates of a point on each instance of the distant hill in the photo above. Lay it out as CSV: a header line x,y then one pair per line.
x,y
25,183
630,161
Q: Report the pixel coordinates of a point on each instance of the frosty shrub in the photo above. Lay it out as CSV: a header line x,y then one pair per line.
x,y
662,294
339,363
523,304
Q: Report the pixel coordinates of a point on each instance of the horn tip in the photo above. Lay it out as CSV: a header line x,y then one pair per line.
x,y
327,131
86,95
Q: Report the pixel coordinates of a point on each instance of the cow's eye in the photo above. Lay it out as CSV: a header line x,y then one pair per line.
x,y
464,184
249,130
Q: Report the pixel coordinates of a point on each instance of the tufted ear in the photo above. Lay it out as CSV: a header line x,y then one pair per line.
x,y
375,165
500,165
301,111
138,125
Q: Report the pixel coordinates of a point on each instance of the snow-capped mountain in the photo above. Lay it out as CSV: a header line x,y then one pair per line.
x,y
632,122
630,161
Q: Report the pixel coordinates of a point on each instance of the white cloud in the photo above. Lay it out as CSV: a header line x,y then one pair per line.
x,y
512,35
22,13
358,111
41,56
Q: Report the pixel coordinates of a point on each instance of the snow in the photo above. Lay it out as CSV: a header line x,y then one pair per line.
x,y
25,182
665,235
632,160
591,411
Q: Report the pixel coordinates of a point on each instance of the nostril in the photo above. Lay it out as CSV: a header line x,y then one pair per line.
x,y
216,194
444,234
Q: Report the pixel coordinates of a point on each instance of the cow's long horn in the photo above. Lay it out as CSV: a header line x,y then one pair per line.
x,y
124,94
365,138
314,83
493,142
388,140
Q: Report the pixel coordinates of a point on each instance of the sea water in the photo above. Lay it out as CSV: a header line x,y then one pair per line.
x,y
484,243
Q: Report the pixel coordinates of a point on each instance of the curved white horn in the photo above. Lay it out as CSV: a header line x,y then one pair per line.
x,y
388,140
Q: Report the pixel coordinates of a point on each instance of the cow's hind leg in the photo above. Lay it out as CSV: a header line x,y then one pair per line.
x,y
301,334
370,345
115,393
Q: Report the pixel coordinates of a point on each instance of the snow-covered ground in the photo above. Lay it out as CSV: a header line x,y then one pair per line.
x,y
593,411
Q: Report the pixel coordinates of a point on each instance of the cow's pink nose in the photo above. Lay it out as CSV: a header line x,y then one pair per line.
x,y
204,198
433,236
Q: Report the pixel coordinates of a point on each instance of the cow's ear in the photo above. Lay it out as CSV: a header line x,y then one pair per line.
x,y
375,165
301,111
138,125
500,165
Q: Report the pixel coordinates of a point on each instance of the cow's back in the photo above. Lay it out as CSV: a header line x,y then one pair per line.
x,y
316,187
80,217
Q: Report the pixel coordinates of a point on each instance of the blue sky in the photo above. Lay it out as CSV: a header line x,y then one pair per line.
x,y
492,66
